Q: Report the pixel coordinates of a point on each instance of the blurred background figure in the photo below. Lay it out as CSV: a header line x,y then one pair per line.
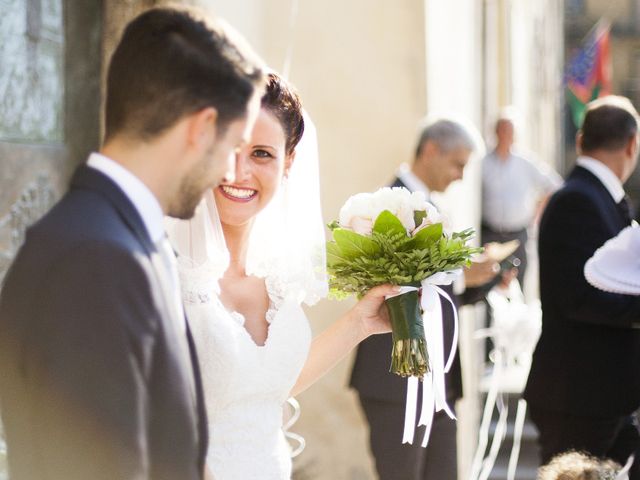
x,y
514,188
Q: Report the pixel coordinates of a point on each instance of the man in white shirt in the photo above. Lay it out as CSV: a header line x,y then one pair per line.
x,y
584,383
513,187
98,374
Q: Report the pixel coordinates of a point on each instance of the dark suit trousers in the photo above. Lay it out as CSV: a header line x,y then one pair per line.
x,y
398,461
614,438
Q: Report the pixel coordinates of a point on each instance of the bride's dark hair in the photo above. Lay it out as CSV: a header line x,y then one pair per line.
x,y
282,101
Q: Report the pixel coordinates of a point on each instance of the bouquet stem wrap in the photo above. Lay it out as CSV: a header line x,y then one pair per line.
x,y
409,355
434,397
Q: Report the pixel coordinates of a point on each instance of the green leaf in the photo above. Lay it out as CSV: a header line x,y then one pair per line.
x,y
427,236
353,245
397,259
418,216
334,254
387,224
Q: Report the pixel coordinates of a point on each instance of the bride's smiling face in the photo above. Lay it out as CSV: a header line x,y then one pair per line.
x,y
260,168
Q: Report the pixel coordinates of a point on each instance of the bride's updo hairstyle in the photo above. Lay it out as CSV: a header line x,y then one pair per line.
x,y
281,100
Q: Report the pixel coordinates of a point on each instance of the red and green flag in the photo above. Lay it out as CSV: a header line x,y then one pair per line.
x,y
588,73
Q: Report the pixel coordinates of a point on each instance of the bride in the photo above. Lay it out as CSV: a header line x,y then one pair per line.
x,y
250,257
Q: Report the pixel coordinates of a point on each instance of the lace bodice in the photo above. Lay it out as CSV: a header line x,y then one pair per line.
x,y
246,384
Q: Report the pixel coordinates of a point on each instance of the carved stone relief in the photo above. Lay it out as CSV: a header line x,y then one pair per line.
x,y
32,73
34,201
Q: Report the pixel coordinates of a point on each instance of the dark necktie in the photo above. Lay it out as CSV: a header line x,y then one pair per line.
x,y
625,209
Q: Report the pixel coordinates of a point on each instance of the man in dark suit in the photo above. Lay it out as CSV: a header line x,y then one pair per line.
x,y
442,152
584,383
98,373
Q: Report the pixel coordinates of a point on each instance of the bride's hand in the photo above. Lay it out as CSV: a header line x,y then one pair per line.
x,y
370,313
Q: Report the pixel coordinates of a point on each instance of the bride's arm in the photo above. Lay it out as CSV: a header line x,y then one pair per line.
x,y
367,317
208,475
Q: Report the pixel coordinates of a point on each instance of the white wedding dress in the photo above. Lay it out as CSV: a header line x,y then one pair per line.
x,y
246,385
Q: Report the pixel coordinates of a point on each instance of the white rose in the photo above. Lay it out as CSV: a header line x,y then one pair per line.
x,y
433,216
363,226
361,210
405,215
358,205
384,199
398,201
419,201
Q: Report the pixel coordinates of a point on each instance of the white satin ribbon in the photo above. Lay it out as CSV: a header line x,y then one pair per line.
x,y
295,415
434,397
624,473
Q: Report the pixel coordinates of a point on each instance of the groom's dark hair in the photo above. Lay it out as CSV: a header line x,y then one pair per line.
x,y
609,123
172,62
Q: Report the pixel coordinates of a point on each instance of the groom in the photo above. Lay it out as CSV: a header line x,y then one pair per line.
x,y
98,373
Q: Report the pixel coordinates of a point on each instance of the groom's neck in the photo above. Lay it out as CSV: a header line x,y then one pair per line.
x,y
151,162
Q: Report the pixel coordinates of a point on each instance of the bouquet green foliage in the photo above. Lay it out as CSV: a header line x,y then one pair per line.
x,y
357,263
394,236
391,253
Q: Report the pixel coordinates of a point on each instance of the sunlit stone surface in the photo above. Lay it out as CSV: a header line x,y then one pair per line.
x,y
31,70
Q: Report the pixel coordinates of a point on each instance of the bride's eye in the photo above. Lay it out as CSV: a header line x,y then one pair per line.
x,y
262,154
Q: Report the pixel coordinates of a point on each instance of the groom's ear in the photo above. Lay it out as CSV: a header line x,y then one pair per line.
x,y
202,129
632,146
579,142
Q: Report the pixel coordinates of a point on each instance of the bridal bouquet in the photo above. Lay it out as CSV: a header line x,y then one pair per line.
x,y
395,236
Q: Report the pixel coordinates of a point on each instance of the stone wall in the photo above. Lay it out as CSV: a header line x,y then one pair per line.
x,y
49,106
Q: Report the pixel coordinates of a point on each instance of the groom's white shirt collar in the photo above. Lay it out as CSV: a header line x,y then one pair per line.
x,y
137,192
412,181
604,174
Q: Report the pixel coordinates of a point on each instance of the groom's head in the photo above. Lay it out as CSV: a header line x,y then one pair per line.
x,y
191,86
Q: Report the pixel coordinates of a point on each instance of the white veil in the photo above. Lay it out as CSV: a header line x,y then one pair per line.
x,y
287,240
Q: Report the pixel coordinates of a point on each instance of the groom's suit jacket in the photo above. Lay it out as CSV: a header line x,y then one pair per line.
x,y
370,376
94,383
587,361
